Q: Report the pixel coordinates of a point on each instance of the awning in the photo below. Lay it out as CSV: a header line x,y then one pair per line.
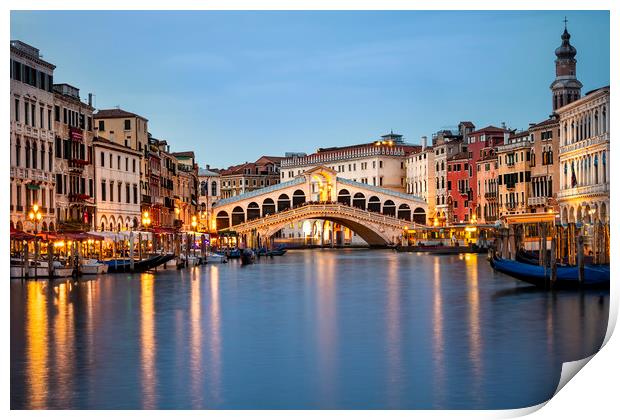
x,y
20,235
32,186
530,218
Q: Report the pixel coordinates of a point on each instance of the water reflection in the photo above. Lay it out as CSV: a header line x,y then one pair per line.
x,y
438,336
312,329
37,345
475,344
148,343
394,333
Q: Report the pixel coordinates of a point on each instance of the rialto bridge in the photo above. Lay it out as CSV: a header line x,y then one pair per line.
x,y
376,214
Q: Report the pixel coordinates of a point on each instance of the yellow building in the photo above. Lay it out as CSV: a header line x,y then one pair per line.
x,y
513,169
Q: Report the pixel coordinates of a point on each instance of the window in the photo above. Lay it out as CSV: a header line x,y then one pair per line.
x,y
103,190
41,117
111,190
64,116
102,163
49,119
127,125
101,125
127,193
26,109
18,148
135,194
16,109
111,168
118,163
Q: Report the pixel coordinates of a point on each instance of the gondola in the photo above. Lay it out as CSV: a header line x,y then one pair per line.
x,y
247,256
567,277
123,265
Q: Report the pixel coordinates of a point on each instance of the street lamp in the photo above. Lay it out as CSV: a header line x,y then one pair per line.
x,y
194,224
35,216
146,219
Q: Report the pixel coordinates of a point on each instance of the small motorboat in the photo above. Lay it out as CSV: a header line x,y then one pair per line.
x,y
595,276
62,270
214,257
93,267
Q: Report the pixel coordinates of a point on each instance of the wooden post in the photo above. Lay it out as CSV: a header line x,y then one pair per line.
x,y
50,260
543,251
36,258
554,268
580,259
24,259
140,246
131,262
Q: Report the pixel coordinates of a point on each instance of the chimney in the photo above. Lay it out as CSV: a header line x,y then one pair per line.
x,y
424,142
90,99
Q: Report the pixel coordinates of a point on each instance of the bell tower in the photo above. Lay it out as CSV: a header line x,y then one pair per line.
x,y
565,88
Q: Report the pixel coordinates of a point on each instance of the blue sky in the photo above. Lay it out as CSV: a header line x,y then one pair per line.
x,y
236,85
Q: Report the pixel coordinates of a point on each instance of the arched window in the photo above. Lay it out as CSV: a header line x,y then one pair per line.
x,y
34,155
18,149
214,188
27,153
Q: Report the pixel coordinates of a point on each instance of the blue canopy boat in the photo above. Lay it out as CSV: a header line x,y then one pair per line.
x,y
595,276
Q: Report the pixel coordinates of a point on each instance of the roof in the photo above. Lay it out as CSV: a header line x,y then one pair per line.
x,y
184,154
459,156
467,123
207,172
116,113
488,128
545,123
519,134
275,159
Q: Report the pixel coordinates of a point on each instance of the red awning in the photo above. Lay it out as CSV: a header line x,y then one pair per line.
x,y
19,235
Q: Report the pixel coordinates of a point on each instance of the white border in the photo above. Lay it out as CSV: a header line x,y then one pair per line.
x,y
593,394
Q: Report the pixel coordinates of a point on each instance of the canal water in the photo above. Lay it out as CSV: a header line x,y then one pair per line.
x,y
328,329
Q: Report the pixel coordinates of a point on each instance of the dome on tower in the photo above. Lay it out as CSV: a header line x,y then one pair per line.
x,y
566,50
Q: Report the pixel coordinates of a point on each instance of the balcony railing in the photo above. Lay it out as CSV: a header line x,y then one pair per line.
x,y
592,141
537,201
31,174
585,190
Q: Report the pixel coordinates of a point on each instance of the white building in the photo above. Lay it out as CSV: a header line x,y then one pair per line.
x,y
31,138
420,175
584,158
379,163
117,180
209,191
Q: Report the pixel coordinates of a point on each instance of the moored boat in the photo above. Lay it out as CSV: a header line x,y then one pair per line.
x,y
214,257
595,276
247,256
92,267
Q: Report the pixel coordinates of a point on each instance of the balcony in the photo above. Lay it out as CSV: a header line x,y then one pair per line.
x,y
31,174
585,190
77,165
537,201
592,141
490,196
79,198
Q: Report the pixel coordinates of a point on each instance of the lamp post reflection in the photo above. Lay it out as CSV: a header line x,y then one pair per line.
x,y
147,344
195,342
37,345
215,339
473,298
64,343
393,327
438,337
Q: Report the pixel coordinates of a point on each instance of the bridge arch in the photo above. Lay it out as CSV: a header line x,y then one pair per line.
x,y
269,207
284,202
374,204
404,212
359,201
419,215
253,211
344,197
222,221
389,208
238,215
299,197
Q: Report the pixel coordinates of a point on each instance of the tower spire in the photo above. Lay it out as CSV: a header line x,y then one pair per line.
x,y
565,88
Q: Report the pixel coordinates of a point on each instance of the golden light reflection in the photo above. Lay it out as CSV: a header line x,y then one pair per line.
x,y
473,298
195,342
393,332
438,338
215,334
36,345
147,337
64,341
327,334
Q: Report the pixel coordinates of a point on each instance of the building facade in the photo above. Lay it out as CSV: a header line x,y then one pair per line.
x,y
544,166
117,180
31,139
446,144
209,183
420,175
513,169
380,163
458,188
186,197
250,176
584,159
486,186
75,176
